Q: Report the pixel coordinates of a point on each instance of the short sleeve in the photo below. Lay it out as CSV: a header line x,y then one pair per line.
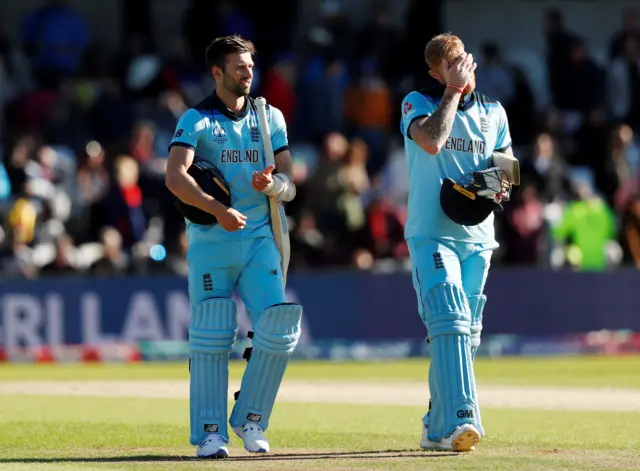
x,y
278,128
414,106
503,140
188,130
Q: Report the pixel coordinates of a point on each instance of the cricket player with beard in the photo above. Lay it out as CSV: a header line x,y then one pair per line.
x,y
458,150
236,251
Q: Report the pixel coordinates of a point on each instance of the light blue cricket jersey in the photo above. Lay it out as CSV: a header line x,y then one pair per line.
x,y
479,128
233,144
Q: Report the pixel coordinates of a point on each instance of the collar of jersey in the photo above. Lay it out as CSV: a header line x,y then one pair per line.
x,y
222,108
435,90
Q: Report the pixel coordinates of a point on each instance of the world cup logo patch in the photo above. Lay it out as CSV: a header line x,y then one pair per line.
x,y
219,133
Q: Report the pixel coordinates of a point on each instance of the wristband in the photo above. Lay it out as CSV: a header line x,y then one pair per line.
x,y
457,88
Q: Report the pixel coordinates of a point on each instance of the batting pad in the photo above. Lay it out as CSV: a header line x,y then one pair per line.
x,y
275,338
434,415
476,305
451,377
212,332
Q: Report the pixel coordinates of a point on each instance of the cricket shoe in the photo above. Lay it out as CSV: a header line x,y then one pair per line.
x,y
464,438
213,446
253,438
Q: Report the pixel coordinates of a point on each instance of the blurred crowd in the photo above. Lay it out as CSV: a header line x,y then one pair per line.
x,y
84,135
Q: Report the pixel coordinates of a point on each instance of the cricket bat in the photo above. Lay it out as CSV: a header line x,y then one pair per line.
x,y
276,208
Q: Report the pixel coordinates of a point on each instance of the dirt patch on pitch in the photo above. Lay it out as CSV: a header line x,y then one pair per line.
x,y
410,394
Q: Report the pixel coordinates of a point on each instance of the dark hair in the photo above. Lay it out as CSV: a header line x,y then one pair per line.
x,y
219,48
555,16
490,49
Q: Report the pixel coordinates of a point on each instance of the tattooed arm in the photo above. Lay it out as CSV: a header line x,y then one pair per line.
x,y
432,132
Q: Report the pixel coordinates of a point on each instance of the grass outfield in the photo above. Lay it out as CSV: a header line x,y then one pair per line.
x,y
565,371
41,432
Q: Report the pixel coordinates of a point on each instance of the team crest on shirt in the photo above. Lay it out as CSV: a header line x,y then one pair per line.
x,y
484,124
219,133
255,134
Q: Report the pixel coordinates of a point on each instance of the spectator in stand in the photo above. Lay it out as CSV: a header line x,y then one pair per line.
x,y
386,229
630,234
494,77
587,227
279,85
623,83
523,227
559,42
63,264
546,170
55,36
114,261
122,208
126,103
630,29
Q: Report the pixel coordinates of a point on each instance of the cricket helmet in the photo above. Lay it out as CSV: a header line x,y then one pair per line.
x,y
471,199
212,183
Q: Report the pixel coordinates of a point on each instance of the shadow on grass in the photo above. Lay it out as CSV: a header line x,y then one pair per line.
x,y
384,454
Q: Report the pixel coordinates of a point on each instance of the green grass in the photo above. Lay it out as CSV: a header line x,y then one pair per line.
x,y
567,371
93,433
106,433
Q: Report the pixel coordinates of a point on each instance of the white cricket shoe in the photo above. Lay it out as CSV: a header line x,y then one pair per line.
x,y
212,447
253,438
464,438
